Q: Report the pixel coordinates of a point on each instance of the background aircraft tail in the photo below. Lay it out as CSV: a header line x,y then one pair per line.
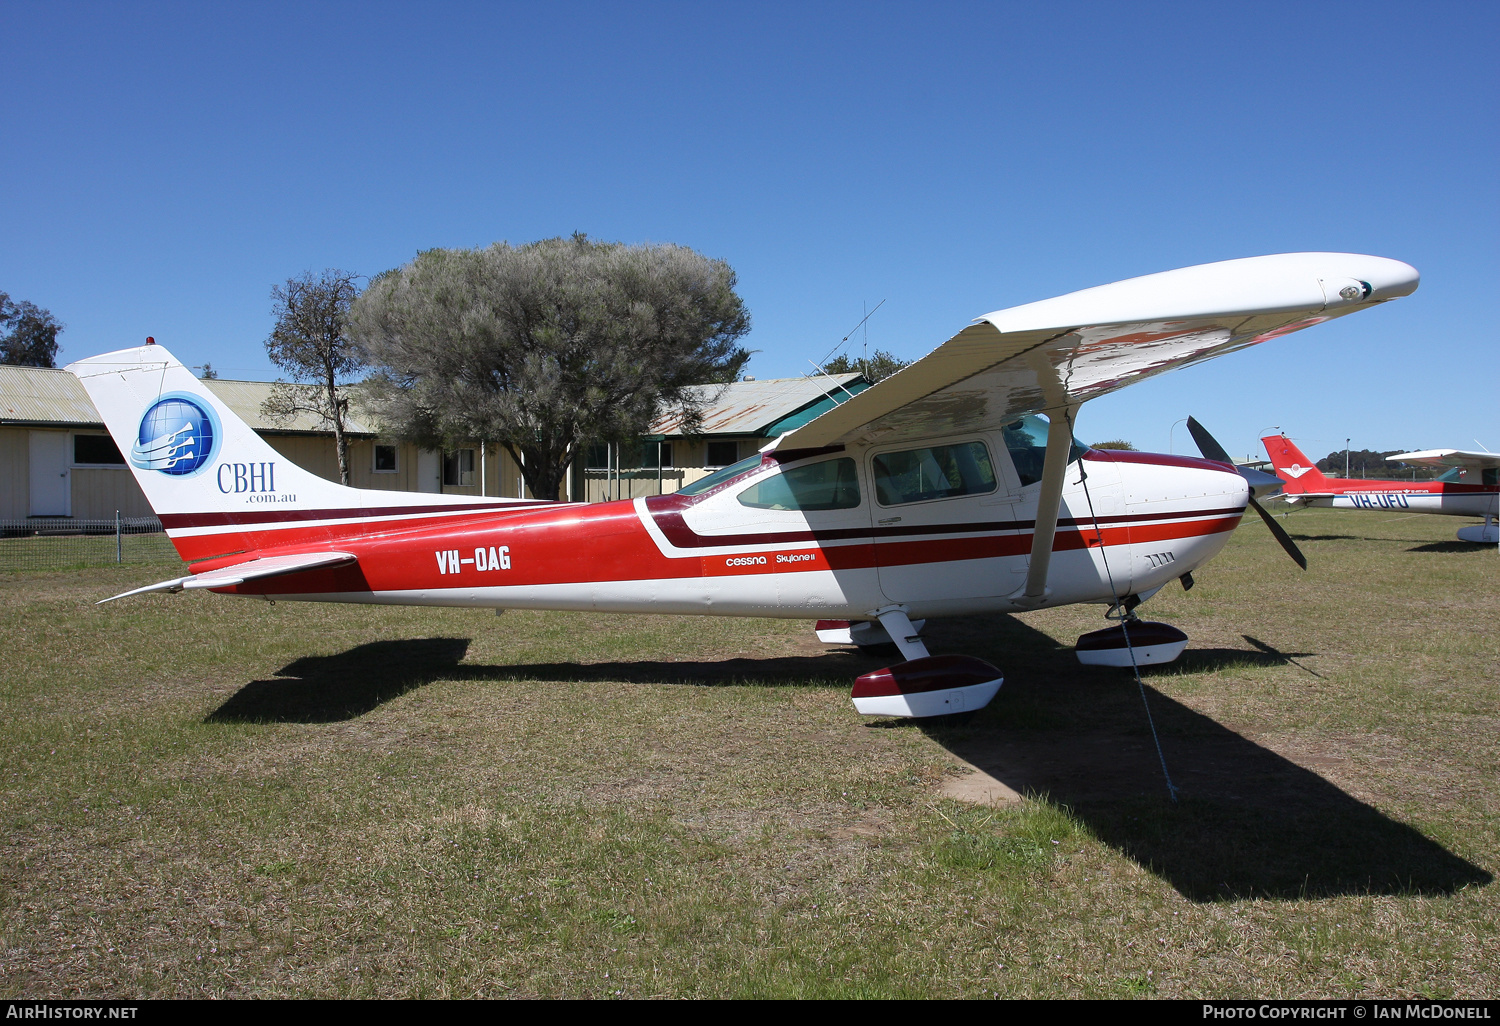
x,y
216,485
1292,466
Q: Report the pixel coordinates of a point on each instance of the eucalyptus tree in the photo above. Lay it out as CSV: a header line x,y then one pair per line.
x,y
29,335
547,346
311,342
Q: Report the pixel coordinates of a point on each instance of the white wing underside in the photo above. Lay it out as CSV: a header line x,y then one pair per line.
x,y
271,566
1064,351
1449,458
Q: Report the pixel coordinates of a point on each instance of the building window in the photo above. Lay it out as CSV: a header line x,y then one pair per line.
x,y
458,468
649,451
385,459
99,450
596,456
722,454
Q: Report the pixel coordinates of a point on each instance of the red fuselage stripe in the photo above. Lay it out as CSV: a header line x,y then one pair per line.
x,y
608,543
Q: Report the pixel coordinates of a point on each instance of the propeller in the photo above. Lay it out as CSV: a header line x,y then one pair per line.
x,y
1260,484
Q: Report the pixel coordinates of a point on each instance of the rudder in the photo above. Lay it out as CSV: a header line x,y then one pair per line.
x,y
1292,465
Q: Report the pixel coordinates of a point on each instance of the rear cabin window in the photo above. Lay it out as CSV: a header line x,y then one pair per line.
x,y
832,484
938,472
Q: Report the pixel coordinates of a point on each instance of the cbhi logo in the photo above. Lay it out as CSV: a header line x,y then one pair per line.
x,y
1295,470
177,436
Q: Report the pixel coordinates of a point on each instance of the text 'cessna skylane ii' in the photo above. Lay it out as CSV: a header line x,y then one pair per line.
x,y
953,487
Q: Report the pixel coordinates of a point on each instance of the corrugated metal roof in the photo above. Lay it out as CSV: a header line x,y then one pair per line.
x,y
43,395
245,397
749,407
39,395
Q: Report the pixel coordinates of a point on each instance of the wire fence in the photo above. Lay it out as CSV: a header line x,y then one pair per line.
x,y
62,543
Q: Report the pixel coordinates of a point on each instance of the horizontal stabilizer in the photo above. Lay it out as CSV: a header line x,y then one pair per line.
x,y
254,569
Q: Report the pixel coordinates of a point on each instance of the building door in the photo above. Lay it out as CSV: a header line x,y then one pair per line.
x,y
51,489
429,471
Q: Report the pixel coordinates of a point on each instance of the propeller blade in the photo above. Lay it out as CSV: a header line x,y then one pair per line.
x,y
1212,450
1280,535
1261,483
1207,445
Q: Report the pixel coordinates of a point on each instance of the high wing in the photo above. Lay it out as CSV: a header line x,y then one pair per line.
x,y
1449,458
1058,353
250,570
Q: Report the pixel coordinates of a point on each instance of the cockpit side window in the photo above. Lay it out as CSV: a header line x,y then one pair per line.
x,y
1026,439
937,472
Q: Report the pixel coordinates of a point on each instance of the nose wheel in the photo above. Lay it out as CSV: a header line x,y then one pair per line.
x,y
1131,642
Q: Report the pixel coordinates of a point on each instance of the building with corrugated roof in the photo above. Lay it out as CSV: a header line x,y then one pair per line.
x,y
57,459
736,420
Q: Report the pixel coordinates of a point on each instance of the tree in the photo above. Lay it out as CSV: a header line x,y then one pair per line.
x,y
548,346
30,337
311,343
1114,443
881,365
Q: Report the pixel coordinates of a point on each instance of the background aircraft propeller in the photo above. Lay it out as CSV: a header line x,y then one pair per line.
x,y
1260,484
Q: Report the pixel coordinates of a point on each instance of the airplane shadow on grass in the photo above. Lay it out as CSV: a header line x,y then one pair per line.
x,y
1453,546
327,689
1248,823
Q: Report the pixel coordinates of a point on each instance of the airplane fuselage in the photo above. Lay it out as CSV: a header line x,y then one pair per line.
x,y
1444,498
1137,522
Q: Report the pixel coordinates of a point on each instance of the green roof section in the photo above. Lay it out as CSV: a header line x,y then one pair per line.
x,y
818,407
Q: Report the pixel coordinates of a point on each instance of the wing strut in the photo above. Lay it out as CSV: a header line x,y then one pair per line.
x,y
1049,502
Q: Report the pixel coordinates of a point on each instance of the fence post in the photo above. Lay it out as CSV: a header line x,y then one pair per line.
x,y
119,552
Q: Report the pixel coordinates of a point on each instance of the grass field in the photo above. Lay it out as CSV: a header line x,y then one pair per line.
x,y
207,796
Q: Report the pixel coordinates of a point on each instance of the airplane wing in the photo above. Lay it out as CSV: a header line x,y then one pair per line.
x,y
1061,352
1449,458
254,569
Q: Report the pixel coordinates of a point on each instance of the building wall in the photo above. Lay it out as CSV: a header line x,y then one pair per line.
x,y
318,454
99,491
690,457
15,473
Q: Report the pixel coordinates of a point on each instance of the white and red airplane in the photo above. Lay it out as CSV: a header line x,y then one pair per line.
x,y
952,487
1306,485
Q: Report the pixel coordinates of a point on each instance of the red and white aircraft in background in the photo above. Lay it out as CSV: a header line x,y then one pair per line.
x,y
952,487
1458,496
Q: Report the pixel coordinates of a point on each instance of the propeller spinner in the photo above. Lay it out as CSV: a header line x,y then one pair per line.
x,y
1260,484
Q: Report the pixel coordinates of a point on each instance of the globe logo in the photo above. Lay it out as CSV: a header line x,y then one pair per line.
x,y
176,437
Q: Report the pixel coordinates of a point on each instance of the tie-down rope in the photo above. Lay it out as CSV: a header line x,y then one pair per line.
x,y
1124,618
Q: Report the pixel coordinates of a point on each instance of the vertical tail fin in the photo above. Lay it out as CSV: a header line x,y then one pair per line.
x,y
1292,465
218,486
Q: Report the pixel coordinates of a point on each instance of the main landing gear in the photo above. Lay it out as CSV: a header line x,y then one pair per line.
x,y
1487,533
922,685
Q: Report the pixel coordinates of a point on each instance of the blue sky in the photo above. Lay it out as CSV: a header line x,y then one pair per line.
x,y
167,164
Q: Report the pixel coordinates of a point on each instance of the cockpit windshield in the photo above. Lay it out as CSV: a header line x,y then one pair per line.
x,y
1027,441
718,477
